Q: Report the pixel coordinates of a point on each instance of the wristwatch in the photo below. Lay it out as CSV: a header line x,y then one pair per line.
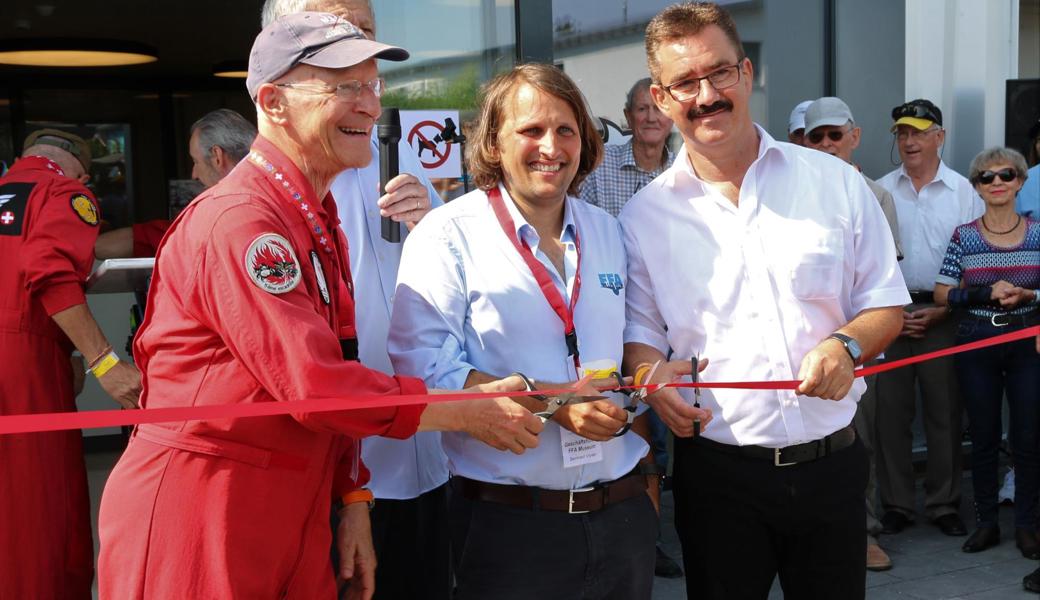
x,y
851,346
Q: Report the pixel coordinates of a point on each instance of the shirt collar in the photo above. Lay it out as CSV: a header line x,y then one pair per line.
x,y
292,174
767,146
526,231
628,157
943,174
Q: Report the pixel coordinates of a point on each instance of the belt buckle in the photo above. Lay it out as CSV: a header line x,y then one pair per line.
x,y
776,459
993,320
570,500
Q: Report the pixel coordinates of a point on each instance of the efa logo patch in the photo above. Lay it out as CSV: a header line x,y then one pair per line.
x,y
272,265
611,281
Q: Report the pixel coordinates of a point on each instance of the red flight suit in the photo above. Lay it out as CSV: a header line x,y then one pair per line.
x,y
147,236
248,303
48,226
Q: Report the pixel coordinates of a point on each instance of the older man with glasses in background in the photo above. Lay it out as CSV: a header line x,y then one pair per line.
x,y
931,201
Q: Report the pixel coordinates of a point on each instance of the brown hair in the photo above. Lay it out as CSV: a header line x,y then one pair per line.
x,y
481,159
686,19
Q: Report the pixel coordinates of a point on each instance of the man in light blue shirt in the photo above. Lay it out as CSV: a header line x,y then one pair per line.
x,y
1027,203
522,276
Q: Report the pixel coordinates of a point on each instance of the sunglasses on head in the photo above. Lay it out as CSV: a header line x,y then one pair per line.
x,y
916,110
835,135
987,177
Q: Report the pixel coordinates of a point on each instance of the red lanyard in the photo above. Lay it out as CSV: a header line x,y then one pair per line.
x,y
327,240
541,275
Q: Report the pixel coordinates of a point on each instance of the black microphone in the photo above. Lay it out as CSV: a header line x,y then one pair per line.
x,y
389,134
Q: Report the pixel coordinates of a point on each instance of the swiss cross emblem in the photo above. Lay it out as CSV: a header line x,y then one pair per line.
x,y
7,218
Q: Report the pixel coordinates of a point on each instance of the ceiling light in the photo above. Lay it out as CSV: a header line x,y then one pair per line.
x,y
231,68
74,53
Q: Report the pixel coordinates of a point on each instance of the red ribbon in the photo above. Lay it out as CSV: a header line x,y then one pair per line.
x,y
116,418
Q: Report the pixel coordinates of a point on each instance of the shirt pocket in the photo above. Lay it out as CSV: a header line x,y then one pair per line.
x,y
815,258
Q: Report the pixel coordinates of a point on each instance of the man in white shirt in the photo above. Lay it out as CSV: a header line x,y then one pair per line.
x,y
931,201
408,477
775,263
520,275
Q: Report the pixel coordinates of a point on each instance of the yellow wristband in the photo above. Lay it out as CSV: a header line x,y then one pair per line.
x,y
359,495
105,364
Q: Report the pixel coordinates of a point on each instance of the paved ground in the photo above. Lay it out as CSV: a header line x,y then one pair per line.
x,y
928,564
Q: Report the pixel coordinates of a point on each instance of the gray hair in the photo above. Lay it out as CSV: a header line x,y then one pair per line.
x,y
642,84
279,8
994,156
227,129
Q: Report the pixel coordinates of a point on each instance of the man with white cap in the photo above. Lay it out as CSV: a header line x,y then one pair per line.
x,y
796,123
251,303
830,128
931,200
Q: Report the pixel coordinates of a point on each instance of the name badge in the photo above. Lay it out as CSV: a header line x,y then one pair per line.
x,y
577,450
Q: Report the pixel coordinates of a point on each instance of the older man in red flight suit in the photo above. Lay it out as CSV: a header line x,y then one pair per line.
x,y
48,224
251,302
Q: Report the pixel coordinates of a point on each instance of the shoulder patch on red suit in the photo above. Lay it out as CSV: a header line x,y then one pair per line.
x,y
271,264
84,208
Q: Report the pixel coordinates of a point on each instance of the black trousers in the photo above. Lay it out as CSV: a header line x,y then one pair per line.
x,y
508,553
743,521
411,538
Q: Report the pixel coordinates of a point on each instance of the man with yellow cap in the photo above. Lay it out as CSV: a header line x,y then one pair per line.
x,y
931,201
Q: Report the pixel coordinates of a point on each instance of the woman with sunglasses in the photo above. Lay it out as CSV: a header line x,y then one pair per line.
x,y
990,275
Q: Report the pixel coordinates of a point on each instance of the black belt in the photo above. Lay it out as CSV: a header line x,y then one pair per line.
x,y
578,501
791,455
1003,320
922,298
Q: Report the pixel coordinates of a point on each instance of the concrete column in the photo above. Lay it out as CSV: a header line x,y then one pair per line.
x,y
958,55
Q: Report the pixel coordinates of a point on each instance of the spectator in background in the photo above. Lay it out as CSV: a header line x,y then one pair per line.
x,y
991,275
219,140
625,169
830,128
1028,201
931,201
796,123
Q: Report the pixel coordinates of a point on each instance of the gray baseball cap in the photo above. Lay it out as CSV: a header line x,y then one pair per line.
x,y
827,111
311,38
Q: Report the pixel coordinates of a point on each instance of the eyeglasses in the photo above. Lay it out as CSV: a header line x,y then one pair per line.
x,y
348,90
835,135
1006,175
906,131
917,110
720,79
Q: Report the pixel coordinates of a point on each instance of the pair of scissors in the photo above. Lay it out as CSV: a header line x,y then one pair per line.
x,y
696,395
554,403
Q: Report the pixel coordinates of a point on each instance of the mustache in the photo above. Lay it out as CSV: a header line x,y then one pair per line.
x,y
700,110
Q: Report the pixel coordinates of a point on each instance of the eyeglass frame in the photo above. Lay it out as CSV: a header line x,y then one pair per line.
x,y
377,86
913,132
737,65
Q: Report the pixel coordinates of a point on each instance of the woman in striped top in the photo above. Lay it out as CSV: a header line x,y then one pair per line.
x,y
990,274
